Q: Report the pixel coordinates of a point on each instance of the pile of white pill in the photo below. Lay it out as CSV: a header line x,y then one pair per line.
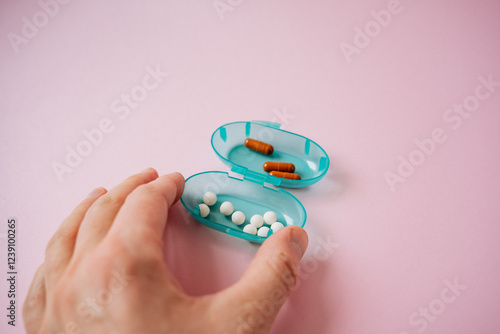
x,y
256,225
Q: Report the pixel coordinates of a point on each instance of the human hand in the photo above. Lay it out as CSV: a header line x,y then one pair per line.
x,y
104,271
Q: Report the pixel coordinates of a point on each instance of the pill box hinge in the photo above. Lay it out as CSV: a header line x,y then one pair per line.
x,y
237,172
270,186
254,177
272,182
268,181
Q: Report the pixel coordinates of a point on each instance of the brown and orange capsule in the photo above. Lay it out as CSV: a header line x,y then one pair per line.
x,y
279,167
259,146
284,175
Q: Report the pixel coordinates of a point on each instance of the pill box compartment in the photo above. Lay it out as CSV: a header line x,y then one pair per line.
x,y
248,186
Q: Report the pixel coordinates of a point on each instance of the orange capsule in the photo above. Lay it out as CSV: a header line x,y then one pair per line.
x,y
279,166
259,146
290,176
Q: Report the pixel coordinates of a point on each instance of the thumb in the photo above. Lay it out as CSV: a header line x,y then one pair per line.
x,y
258,296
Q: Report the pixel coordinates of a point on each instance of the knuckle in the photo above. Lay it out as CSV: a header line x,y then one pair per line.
x,y
53,241
136,178
61,301
145,190
80,209
148,196
131,257
146,256
59,238
106,201
286,270
111,199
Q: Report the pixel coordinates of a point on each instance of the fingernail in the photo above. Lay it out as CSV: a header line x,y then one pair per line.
x,y
95,192
147,170
299,241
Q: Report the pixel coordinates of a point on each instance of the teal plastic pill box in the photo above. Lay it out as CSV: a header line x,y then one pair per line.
x,y
248,186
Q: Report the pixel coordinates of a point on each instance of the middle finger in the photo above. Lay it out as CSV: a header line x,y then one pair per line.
x,y
102,213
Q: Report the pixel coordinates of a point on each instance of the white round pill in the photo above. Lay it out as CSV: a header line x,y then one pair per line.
x,y
257,220
209,198
263,231
270,217
276,227
226,208
250,229
238,217
204,210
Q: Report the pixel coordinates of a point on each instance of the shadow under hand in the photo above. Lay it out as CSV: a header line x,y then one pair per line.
x,y
203,260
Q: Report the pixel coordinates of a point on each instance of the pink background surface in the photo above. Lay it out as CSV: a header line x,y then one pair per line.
x,y
394,250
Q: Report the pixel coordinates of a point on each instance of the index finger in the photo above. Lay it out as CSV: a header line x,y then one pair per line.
x,y
142,219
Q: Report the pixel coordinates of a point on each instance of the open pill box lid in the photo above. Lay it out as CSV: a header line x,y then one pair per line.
x,y
248,187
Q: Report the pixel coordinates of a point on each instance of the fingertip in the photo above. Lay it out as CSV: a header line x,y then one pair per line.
x,y
179,181
150,171
168,181
97,192
178,176
299,240
294,236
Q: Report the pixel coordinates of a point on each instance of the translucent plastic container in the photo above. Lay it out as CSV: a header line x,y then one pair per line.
x,y
248,187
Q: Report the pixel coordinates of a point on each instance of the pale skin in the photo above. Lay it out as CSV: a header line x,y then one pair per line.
x,y
104,271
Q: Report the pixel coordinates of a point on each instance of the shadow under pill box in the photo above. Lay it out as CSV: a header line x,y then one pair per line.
x,y
249,186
